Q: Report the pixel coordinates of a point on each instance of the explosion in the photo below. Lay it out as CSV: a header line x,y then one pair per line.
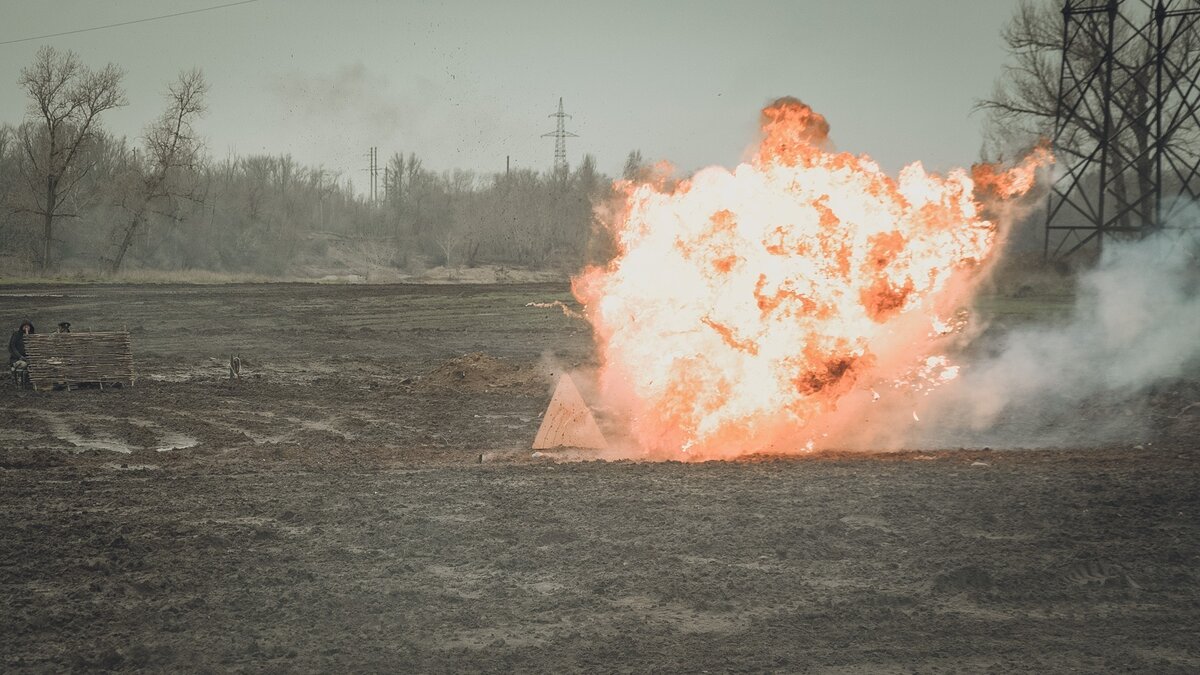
x,y
764,309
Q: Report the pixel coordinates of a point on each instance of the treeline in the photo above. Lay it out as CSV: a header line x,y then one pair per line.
x,y
75,197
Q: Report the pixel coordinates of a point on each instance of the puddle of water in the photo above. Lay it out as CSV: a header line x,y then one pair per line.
x,y
46,295
16,436
96,443
64,432
59,426
130,467
175,441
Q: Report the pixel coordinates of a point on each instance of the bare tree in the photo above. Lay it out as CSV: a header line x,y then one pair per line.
x,y
66,100
1023,103
6,137
415,184
396,182
635,166
172,149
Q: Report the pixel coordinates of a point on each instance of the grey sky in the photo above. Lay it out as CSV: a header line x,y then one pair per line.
x,y
463,84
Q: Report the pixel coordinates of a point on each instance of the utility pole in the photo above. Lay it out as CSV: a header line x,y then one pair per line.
x,y
372,172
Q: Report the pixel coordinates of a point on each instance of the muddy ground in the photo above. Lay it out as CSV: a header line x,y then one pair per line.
x,y
330,512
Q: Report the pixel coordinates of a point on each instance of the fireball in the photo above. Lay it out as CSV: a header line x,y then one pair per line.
x,y
765,309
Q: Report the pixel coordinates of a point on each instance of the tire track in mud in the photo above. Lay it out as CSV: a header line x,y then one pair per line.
x,y
81,431
264,427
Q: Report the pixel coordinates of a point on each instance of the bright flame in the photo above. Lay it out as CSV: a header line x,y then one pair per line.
x,y
758,310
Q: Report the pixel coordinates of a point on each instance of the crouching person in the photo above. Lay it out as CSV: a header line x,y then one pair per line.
x,y
18,361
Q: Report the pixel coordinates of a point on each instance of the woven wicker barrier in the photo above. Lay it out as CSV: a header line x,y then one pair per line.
x,y
79,358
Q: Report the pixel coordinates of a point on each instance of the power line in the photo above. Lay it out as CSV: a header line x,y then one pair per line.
x,y
128,23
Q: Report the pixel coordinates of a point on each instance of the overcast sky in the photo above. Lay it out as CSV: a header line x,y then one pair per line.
x,y
463,84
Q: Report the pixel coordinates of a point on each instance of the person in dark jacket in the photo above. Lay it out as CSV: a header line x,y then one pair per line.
x,y
16,343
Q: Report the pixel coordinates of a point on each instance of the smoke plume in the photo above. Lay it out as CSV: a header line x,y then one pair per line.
x,y
1135,324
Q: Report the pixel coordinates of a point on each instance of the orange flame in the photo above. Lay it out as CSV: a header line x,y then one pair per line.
x,y
760,310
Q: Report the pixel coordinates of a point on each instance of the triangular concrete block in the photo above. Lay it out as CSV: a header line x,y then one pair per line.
x,y
568,421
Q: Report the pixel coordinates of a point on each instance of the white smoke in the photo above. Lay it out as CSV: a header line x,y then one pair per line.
x,y
1135,324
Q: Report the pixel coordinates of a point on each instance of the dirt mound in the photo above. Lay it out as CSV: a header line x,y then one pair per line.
x,y
478,372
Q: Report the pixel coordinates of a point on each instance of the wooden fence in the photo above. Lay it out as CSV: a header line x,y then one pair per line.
x,y
71,359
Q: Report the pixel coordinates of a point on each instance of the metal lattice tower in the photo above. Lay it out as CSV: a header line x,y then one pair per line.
x,y
560,135
1127,121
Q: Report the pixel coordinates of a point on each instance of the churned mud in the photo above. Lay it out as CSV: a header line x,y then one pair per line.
x,y
365,498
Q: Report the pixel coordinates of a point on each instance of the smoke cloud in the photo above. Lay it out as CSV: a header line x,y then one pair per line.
x,y
1084,380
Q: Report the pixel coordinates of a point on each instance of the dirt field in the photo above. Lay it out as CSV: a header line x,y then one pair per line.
x,y
330,512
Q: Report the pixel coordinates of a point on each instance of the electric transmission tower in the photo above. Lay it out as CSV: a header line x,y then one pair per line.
x,y
1126,121
560,135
